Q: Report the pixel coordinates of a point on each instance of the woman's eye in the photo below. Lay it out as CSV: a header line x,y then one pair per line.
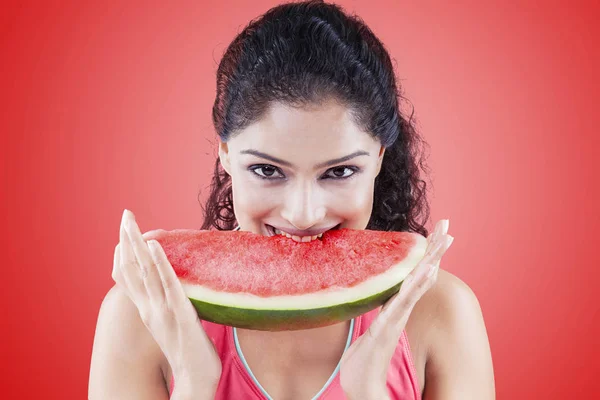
x,y
270,172
340,172
267,171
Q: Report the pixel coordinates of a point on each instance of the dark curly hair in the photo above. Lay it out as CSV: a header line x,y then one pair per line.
x,y
305,52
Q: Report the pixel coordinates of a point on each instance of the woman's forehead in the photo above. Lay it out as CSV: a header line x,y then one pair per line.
x,y
319,129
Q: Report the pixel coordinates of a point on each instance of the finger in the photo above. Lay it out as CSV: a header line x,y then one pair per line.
x,y
137,242
177,299
149,272
433,250
440,229
421,274
116,271
436,255
429,259
401,303
130,271
174,294
395,312
431,244
410,293
447,243
444,226
392,319
412,282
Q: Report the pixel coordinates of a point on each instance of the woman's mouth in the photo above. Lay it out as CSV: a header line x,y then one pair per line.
x,y
298,236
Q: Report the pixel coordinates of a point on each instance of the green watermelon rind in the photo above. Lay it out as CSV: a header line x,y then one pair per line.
x,y
269,320
295,312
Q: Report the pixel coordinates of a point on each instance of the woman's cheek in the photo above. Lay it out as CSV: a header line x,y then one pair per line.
x,y
353,204
252,198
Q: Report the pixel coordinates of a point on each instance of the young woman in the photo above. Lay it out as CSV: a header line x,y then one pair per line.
x,y
312,138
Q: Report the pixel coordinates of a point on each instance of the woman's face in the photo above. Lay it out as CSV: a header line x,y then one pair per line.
x,y
302,171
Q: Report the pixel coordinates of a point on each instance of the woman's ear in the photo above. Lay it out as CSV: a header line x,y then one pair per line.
x,y
224,157
380,159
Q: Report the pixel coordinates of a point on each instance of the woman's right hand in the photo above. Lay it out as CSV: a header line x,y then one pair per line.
x,y
143,271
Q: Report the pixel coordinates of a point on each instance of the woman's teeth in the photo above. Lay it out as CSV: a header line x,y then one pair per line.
x,y
303,239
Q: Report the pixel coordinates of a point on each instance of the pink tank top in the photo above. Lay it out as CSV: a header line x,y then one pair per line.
x,y
238,382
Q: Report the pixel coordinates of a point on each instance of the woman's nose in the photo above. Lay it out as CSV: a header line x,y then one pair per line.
x,y
303,207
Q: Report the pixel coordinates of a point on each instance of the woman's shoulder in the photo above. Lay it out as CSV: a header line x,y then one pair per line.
x,y
449,303
449,312
448,295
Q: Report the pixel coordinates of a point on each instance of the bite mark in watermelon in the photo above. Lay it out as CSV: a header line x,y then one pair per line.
x,y
252,281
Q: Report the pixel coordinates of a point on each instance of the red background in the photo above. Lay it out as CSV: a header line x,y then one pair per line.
x,y
107,106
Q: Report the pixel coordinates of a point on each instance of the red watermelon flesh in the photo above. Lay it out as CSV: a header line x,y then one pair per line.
x,y
234,270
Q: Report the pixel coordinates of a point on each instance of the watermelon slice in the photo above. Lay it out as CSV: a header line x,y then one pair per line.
x,y
253,281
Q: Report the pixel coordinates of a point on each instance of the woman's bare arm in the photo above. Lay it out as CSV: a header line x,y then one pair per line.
x,y
459,364
126,361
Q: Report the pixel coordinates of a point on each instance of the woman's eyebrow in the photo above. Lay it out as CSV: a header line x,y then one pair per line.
x,y
288,164
266,157
343,159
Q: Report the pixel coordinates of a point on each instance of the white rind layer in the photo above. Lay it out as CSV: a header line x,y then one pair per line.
x,y
321,299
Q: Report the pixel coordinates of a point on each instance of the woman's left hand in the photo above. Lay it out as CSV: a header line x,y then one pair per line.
x,y
364,366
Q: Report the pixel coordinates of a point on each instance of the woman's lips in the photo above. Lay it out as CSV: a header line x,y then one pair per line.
x,y
298,235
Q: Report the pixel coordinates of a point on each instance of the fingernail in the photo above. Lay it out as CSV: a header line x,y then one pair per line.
x,y
439,225
446,225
